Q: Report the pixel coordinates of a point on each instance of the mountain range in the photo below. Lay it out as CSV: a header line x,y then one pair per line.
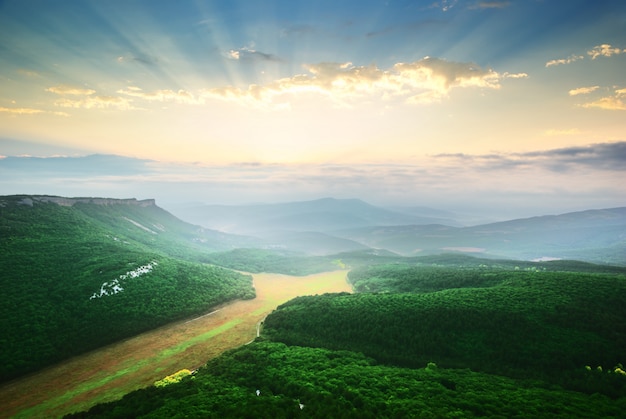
x,y
328,225
68,256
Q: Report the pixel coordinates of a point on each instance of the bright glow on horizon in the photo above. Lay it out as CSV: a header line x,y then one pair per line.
x,y
296,85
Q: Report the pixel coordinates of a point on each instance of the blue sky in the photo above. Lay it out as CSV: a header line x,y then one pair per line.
x,y
513,107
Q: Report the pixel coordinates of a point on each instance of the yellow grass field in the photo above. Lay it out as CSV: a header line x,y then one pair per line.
x,y
110,372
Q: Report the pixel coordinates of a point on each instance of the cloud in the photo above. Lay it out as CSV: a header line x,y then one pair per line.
x,y
507,75
96,102
490,5
545,180
20,111
606,156
64,89
89,100
445,5
583,90
247,53
163,95
425,81
560,132
140,59
567,60
612,103
29,111
601,156
28,73
604,50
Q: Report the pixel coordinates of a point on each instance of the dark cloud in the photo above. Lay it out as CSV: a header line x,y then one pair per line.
x,y
248,54
536,182
609,156
261,56
601,156
139,59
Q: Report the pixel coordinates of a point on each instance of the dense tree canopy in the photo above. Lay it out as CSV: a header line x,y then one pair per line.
x,y
457,342
72,281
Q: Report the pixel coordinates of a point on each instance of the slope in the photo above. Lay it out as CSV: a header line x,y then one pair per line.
x,y
81,273
596,236
474,341
320,215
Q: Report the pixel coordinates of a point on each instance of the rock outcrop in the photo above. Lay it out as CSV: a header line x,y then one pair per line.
x,y
68,202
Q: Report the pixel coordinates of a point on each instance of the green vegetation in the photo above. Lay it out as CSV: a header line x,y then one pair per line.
x,y
494,329
294,381
76,278
431,336
173,378
450,336
263,260
291,263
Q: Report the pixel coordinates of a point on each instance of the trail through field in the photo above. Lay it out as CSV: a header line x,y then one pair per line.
x,y
110,372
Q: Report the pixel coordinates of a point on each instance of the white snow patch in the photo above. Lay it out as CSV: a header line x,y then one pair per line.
x,y
139,225
115,286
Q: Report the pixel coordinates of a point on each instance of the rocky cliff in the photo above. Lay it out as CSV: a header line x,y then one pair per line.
x,y
68,202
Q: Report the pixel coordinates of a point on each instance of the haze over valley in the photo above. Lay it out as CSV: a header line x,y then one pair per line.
x,y
383,208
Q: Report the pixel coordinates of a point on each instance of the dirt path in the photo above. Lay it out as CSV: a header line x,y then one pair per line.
x,y
109,373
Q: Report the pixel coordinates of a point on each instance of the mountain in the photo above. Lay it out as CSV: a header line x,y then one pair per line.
x,y
320,215
79,273
330,225
312,243
146,223
594,235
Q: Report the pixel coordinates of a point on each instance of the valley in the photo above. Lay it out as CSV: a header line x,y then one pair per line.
x,y
109,373
331,209
105,297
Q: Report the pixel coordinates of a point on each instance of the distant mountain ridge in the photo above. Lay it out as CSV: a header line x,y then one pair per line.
x,y
321,215
597,236
594,235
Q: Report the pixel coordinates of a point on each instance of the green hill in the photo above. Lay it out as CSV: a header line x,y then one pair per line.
x,y
272,380
81,273
321,215
595,236
523,324
449,336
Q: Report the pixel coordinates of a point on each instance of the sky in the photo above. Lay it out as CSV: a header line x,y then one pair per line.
x,y
508,108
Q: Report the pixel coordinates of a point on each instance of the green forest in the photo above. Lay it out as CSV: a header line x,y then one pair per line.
x,y
76,278
455,337
445,335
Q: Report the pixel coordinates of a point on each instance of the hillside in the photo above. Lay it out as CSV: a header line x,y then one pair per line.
x,y
327,226
596,236
81,273
320,215
475,340
524,324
